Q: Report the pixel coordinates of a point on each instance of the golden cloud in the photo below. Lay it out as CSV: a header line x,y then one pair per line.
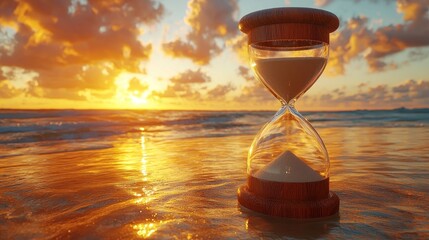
x,y
239,45
76,46
356,39
187,84
209,21
322,3
136,86
191,76
253,90
220,91
7,91
192,85
379,96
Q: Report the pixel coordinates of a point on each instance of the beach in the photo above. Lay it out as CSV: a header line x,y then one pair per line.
x,y
128,174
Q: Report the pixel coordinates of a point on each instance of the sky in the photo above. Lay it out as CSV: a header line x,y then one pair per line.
x,y
178,54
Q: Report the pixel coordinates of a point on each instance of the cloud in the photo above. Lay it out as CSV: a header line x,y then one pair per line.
x,y
380,96
7,40
191,76
12,79
413,89
75,45
372,95
253,90
34,90
219,91
2,77
187,84
413,33
7,91
239,45
348,43
193,85
63,93
322,3
414,10
415,55
184,91
245,73
136,86
356,40
210,21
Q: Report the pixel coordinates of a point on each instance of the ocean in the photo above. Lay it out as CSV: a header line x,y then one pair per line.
x,y
130,174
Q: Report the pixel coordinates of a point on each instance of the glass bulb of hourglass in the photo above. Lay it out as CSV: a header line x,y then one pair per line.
x,y
288,148
288,68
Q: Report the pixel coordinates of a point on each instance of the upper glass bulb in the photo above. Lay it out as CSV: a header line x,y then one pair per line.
x,y
288,68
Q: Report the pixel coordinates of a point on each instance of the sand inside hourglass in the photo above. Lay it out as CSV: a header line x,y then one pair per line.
x,y
291,76
288,168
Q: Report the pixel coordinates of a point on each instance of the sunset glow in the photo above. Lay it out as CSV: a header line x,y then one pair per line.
x,y
190,55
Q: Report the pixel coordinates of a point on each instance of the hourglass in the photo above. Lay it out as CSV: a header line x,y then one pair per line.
x,y
288,164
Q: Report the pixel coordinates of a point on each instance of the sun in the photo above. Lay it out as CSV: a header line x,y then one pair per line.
x,y
139,99
131,90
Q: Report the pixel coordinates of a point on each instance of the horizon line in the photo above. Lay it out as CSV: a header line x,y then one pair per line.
x,y
203,110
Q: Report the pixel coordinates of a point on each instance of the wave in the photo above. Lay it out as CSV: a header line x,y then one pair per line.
x,y
27,126
25,149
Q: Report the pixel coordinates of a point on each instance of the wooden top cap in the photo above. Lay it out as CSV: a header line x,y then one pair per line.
x,y
289,23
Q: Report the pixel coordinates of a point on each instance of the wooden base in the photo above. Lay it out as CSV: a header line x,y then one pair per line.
x,y
287,207
289,190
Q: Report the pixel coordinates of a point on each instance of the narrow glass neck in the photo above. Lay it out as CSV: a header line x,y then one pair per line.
x,y
291,103
288,108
